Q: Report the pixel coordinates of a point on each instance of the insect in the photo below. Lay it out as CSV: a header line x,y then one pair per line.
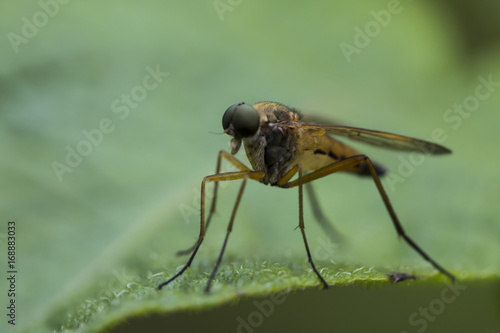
x,y
399,277
279,146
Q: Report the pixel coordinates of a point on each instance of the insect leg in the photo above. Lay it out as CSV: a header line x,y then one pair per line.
x,y
234,161
352,161
213,178
229,229
328,227
302,229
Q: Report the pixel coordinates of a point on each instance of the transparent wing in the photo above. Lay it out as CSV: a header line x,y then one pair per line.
x,y
378,138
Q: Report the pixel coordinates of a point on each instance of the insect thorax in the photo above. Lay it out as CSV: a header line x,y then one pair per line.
x,y
273,148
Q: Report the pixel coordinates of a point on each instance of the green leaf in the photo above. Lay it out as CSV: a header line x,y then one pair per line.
x,y
105,188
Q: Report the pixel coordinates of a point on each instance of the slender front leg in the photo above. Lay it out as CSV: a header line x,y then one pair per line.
x,y
229,229
234,161
256,175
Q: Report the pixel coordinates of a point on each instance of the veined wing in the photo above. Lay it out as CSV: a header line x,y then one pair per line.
x,y
378,138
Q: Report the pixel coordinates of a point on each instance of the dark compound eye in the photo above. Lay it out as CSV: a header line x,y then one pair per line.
x,y
228,116
243,117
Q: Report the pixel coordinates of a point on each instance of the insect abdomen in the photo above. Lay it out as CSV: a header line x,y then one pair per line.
x,y
325,150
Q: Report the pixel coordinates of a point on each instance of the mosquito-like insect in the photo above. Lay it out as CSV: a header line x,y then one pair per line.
x,y
279,146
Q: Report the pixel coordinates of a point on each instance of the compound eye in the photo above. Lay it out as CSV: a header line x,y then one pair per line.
x,y
227,118
243,117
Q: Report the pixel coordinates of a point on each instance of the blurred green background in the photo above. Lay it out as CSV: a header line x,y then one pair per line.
x,y
123,210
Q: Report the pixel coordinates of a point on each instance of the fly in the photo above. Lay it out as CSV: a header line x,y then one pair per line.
x,y
279,146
